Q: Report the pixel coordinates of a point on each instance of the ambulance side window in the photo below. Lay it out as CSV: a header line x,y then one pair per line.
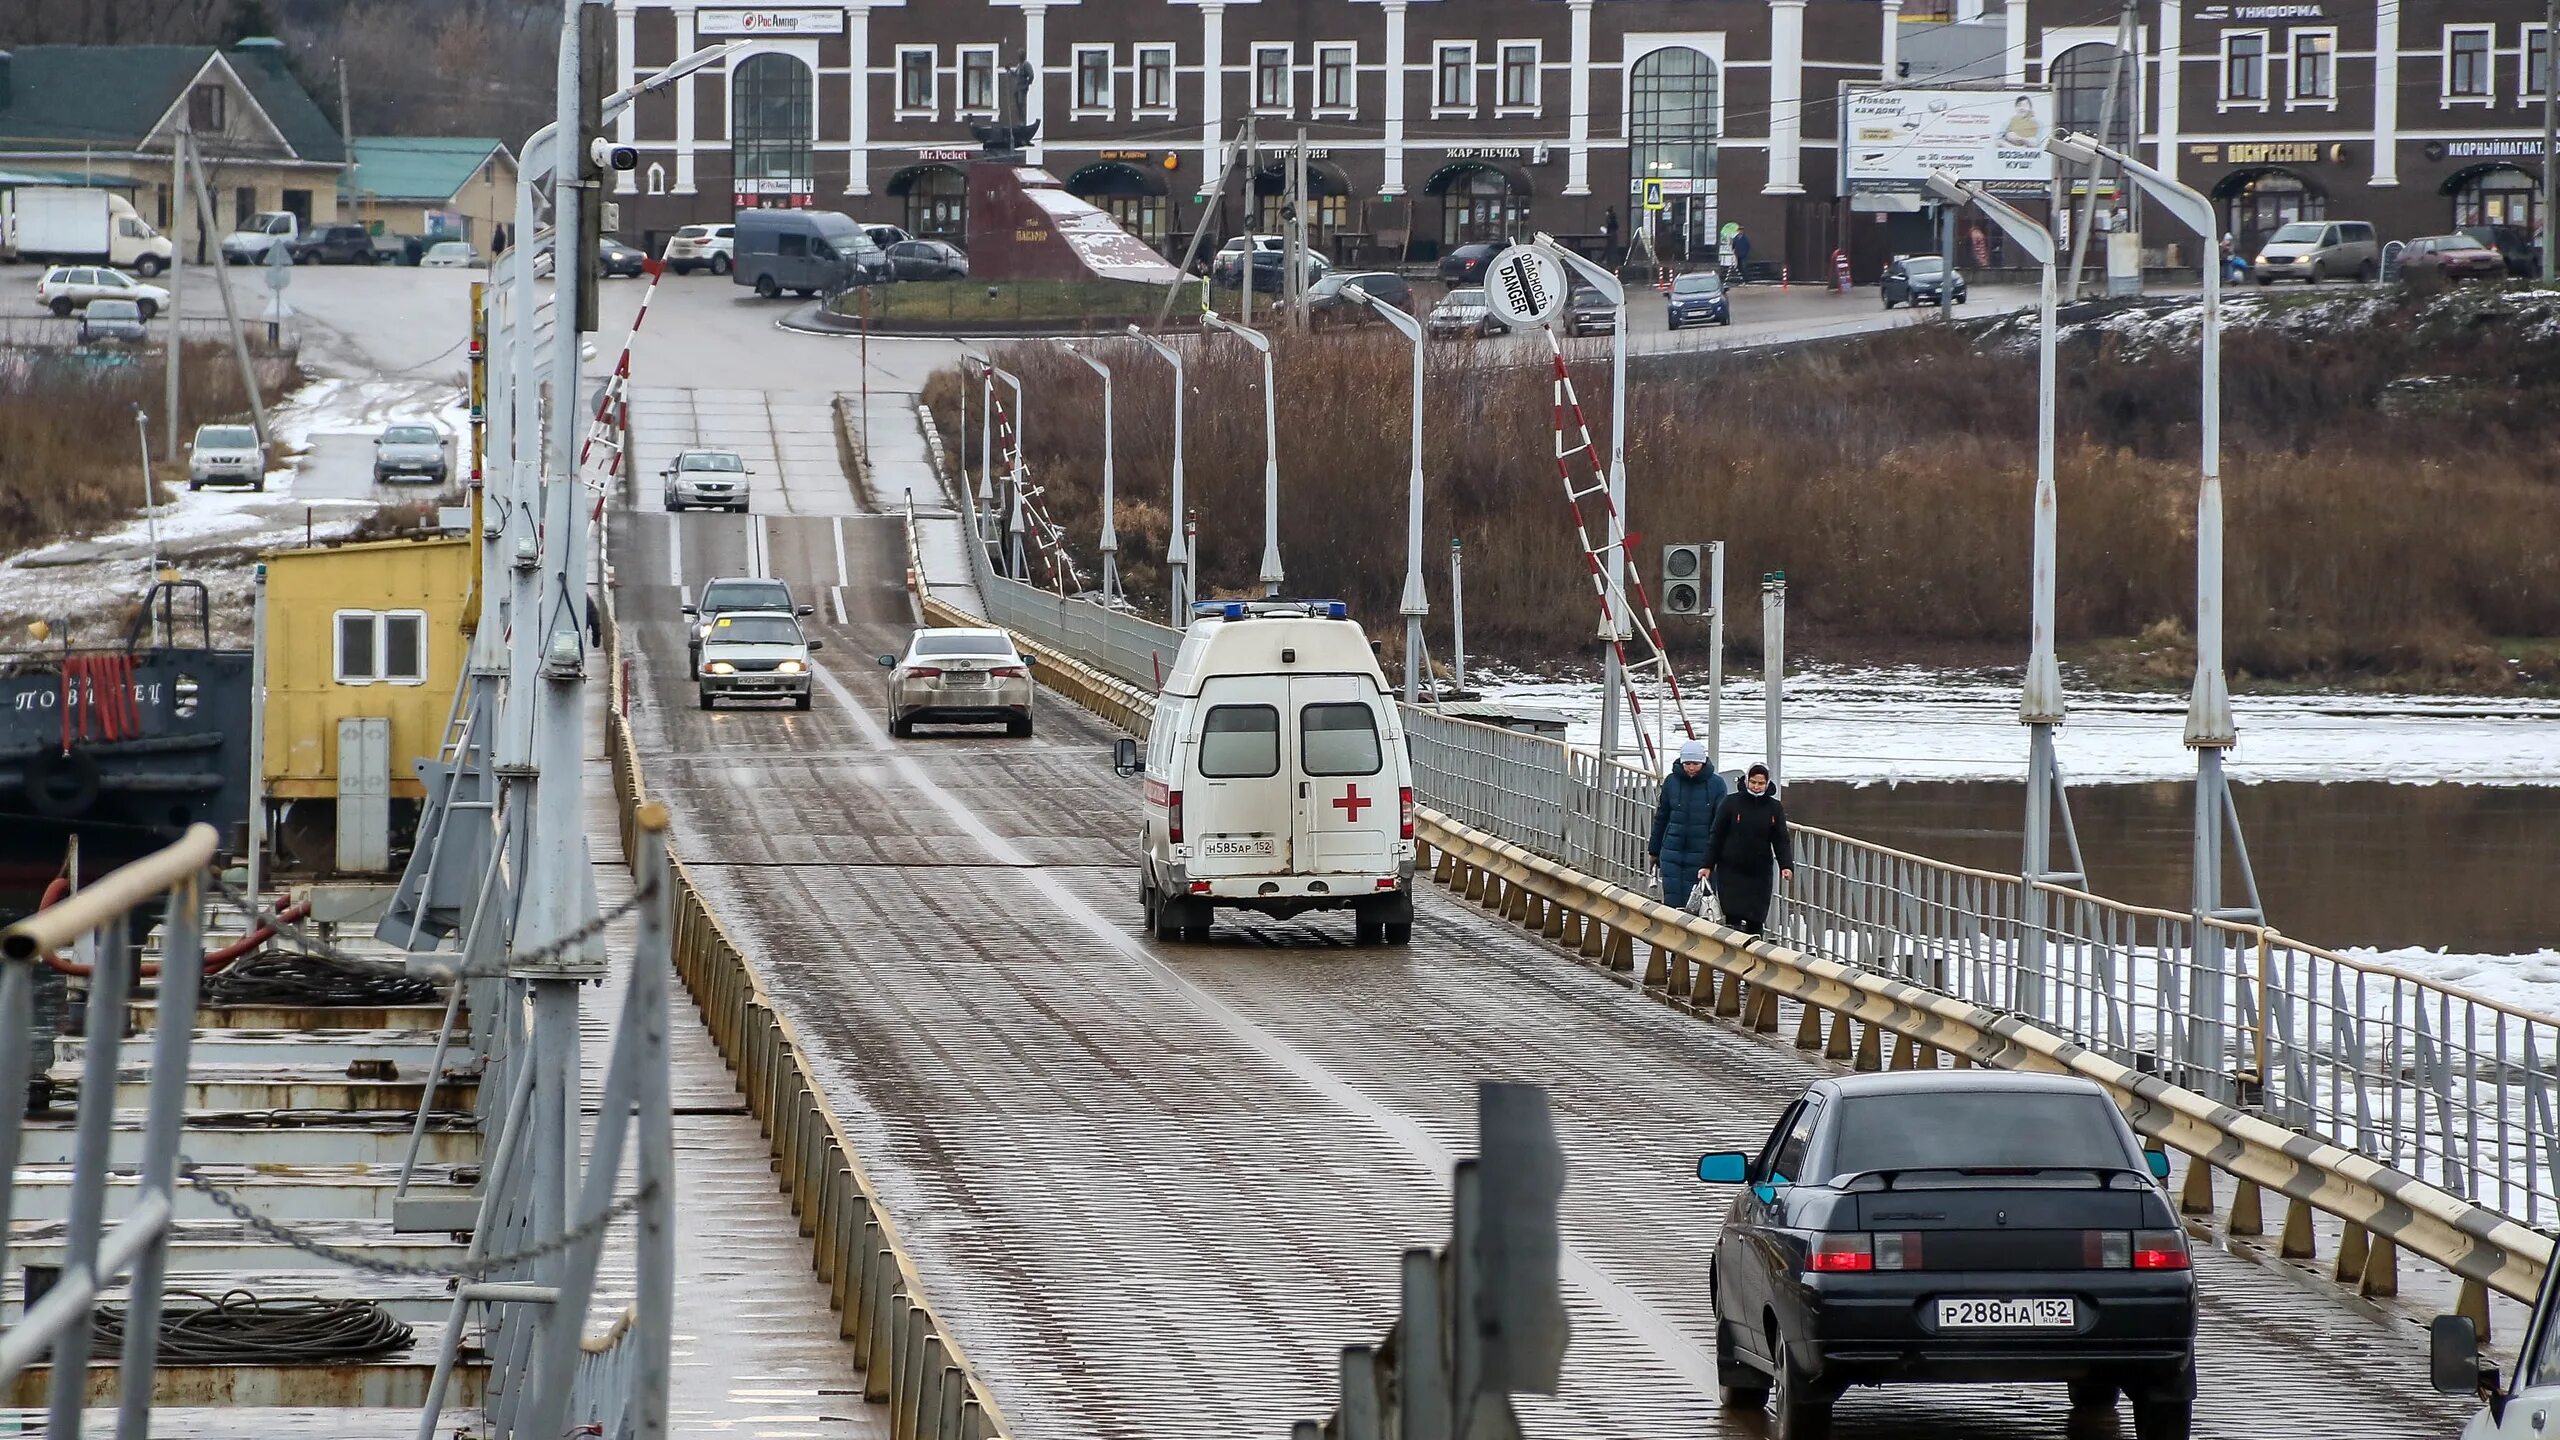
x,y
1339,739
1240,742
1164,736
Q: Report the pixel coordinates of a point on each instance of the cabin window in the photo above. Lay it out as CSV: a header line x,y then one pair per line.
x,y
1240,742
1338,739
379,647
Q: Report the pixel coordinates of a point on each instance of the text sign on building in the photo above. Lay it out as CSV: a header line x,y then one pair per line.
x,y
1896,139
769,22
1525,287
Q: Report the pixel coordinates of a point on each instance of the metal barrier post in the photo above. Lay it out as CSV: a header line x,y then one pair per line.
x,y
181,973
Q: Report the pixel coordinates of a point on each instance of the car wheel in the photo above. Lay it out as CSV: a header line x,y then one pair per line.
x,y
719,264
1399,932
2370,273
1726,320
259,484
147,266
702,696
2093,1394
2266,280
1165,917
1367,932
2167,1411
1019,727
1888,302
1802,1406
900,729
147,308
766,289
1675,322
62,307
803,700
195,485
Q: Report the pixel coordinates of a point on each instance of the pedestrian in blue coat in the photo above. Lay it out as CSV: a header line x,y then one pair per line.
x,y
1683,819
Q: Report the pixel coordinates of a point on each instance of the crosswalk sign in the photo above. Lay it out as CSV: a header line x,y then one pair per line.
x,y
1653,194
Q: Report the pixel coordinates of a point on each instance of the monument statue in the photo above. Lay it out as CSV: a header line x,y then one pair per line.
x,y
1012,132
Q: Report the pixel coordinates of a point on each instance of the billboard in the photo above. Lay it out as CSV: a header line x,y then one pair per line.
x,y
1894,140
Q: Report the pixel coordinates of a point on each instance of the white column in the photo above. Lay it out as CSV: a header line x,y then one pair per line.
x,y
2386,97
1393,183
857,33
1035,48
1889,50
625,182
684,102
2017,42
1213,94
1968,11
1577,165
1786,97
2171,73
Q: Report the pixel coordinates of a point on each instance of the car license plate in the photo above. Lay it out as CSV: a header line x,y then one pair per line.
x,y
2056,1312
964,677
1236,847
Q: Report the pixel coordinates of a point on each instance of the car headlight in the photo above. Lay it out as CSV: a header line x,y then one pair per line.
x,y
721,667
791,667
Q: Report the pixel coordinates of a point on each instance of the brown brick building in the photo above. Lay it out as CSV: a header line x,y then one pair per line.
x,y
1434,122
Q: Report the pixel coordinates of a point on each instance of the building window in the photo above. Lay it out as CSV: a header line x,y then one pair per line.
x,y
2080,78
1271,87
381,647
2315,55
771,125
1481,205
2470,71
2501,195
1155,79
1337,79
1454,87
977,79
2244,67
205,109
1671,118
657,178
937,199
1093,80
1519,77
915,81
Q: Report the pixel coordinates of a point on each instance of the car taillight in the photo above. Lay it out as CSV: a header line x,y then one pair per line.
x,y
1404,812
1008,672
2106,1250
2159,1250
1841,1254
925,672
1897,1250
1173,817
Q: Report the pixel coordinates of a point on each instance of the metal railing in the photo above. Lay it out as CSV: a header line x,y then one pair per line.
x,y
100,921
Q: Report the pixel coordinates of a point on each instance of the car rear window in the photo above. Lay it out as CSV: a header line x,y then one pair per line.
x,y
114,310
1338,739
1464,298
745,595
1976,1130
963,643
227,437
1240,742
754,630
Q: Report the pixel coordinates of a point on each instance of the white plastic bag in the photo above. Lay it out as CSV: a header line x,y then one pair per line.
x,y
1702,903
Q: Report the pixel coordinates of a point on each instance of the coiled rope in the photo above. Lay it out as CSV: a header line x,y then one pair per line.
x,y
241,1327
285,978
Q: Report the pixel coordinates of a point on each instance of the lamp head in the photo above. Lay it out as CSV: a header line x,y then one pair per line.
x,y
2072,149
1945,187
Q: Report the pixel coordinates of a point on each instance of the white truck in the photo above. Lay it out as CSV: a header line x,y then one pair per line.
x,y
267,230
68,224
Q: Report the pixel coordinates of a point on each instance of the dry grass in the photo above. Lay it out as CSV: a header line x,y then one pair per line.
x,y
1891,480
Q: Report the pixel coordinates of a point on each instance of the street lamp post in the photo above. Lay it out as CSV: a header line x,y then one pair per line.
x,y
1417,600
1017,565
1177,556
2040,703
1271,573
1110,528
1613,604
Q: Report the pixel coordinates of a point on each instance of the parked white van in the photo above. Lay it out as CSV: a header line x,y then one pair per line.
x,y
1277,778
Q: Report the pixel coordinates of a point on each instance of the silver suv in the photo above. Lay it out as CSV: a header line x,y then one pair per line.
x,y
755,655
715,479
226,455
2315,250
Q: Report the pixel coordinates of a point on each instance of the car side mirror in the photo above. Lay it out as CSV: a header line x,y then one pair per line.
x,y
817,644
2157,1163
1029,661
1725,1167
688,610
804,609
888,662
2453,1362
1124,757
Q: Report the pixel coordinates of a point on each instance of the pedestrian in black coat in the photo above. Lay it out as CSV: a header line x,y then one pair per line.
x,y
1748,850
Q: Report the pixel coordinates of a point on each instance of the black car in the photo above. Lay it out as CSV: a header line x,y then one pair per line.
x,y
1327,305
1952,1226
1588,312
2515,243
391,249
928,260
334,245
615,258
1269,276
1914,280
1699,298
1465,265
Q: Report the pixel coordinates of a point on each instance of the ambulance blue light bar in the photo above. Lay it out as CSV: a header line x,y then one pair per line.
x,y
1245,609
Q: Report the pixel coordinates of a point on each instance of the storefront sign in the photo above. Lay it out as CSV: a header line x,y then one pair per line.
x,y
2269,152
946,152
2247,14
769,22
2483,149
1488,152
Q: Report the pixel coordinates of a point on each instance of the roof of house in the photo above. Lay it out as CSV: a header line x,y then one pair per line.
x,y
420,167
108,97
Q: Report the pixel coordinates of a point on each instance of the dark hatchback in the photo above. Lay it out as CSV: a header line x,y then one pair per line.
x,y
1327,305
928,260
615,258
1465,265
1956,1226
334,245
1698,298
1914,280
2514,243
1588,312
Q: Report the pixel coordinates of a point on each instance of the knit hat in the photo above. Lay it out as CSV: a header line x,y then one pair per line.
x,y
1757,769
1695,752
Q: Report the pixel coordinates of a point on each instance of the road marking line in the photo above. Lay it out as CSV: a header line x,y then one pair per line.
x,y
1657,1331
675,551
844,575
838,592
759,548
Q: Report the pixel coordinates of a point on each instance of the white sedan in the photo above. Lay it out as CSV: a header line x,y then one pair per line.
x,y
66,288
449,255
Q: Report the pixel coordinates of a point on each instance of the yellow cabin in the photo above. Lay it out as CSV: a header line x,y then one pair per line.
x,y
364,645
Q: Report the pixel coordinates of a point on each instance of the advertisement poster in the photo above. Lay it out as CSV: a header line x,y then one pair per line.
x,y
1897,138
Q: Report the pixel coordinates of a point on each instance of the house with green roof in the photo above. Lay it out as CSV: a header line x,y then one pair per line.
x,y
110,115
432,185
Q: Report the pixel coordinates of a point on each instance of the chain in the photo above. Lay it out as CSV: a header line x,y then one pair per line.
x,y
470,1269
499,967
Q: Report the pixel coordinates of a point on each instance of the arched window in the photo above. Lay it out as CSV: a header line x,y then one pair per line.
x,y
770,128
1482,205
657,179
1671,117
2080,77
937,199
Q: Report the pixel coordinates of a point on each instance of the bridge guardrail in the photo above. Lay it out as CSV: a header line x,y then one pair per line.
x,y
909,1360
1863,916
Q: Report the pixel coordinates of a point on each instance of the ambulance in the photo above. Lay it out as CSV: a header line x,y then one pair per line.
x,y
1276,776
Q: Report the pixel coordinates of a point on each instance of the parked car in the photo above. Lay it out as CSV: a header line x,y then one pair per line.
x,y
112,320
1461,313
1588,312
711,479
1975,1226
449,255
1699,298
728,593
615,258
1465,265
928,260
333,245
258,235
2452,257
66,288
2315,250
884,234
959,677
226,455
754,655
1270,275
2515,243
703,247
1328,305
390,249
1915,280
409,451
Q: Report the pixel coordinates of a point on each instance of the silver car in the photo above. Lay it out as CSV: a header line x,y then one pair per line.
x,y
714,479
409,452
729,593
755,655
226,455
1462,313
959,677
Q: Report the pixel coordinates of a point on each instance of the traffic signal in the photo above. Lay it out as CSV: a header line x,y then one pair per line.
x,y
1684,584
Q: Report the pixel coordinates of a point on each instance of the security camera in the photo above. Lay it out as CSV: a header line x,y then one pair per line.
x,y
609,156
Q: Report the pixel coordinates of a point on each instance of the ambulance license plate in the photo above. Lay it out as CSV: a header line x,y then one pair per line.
x,y
1237,847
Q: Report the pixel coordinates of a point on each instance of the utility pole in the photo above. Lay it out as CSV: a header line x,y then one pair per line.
x,y
171,340
1252,245
2550,136
346,139
2125,18
1298,232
